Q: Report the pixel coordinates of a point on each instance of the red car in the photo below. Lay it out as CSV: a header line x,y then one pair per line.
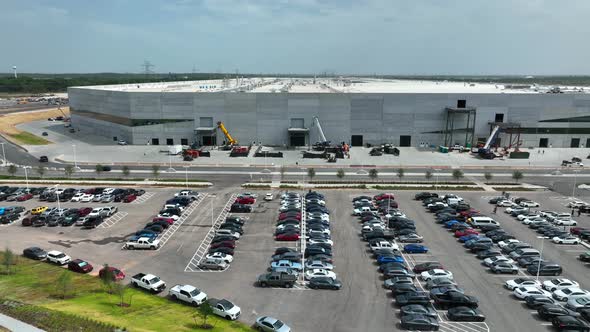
x,y
383,196
83,212
392,203
80,266
468,213
284,216
245,200
129,198
578,230
24,197
116,273
287,237
170,221
466,231
226,244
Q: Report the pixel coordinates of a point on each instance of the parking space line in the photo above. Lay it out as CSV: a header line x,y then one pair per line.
x,y
143,198
112,220
185,215
302,242
193,264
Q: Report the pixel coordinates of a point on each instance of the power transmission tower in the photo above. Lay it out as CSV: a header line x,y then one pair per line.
x,y
147,67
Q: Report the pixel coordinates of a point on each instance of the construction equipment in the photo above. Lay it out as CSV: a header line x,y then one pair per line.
x,y
230,139
323,143
485,151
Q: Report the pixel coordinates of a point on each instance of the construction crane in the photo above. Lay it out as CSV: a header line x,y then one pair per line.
x,y
323,143
230,140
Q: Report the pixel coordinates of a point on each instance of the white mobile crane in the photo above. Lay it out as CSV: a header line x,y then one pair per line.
x,y
323,143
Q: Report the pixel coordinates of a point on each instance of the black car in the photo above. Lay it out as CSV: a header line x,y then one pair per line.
x,y
547,269
537,301
570,323
483,254
282,250
585,313
455,299
403,288
156,228
412,298
221,238
69,220
225,250
43,159
35,253
585,257
392,265
93,222
291,256
419,322
480,246
38,222
418,309
324,283
550,311
161,223
55,221
465,314
241,208
424,195
426,266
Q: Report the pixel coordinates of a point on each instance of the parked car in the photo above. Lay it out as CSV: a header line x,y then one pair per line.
x,y
115,273
80,266
58,257
224,308
35,253
187,293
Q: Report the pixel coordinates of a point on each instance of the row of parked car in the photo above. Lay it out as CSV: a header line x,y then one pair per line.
x,y
147,238
10,214
244,203
187,294
53,194
502,253
85,217
221,249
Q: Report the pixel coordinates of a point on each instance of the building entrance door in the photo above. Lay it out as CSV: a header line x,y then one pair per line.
x,y
297,139
543,142
209,140
575,143
356,140
405,140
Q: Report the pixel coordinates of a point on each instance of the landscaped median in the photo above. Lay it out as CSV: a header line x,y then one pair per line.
x,y
84,301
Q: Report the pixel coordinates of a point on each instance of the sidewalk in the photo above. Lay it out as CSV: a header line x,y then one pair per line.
x,y
16,325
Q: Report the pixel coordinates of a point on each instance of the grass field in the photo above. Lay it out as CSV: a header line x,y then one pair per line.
x,y
29,139
8,124
34,283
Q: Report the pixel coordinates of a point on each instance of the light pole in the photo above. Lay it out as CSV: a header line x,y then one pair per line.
x,y
57,195
436,183
170,169
575,183
541,256
26,175
3,155
186,176
75,161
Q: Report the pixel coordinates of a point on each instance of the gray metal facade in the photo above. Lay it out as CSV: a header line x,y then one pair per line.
x,y
378,117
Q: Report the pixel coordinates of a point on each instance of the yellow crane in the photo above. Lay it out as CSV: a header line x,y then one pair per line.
x,y
230,140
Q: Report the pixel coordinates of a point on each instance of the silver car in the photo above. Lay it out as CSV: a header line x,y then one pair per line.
x,y
107,198
270,324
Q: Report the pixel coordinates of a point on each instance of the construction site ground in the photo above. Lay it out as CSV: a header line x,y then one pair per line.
x,y
10,121
92,149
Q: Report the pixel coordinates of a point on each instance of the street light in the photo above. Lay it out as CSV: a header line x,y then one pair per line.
x,y
575,183
540,256
3,155
170,169
57,195
75,161
186,175
26,175
436,183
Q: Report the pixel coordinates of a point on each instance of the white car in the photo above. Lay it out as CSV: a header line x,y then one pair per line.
x,y
168,215
497,259
269,197
228,232
319,273
524,216
87,198
522,282
108,191
317,241
318,265
318,231
77,197
570,239
290,195
530,221
225,309
555,284
95,212
249,194
578,303
58,257
316,201
220,255
188,293
523,292
565,222
97,197
437,204
280,227
507,242
529,204
576,204
383,244
121,142
565,294
505,203
436,274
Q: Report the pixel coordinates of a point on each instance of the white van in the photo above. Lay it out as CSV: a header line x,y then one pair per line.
x,y
479,221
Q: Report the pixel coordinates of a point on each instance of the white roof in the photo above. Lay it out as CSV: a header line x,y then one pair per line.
x,y
332,85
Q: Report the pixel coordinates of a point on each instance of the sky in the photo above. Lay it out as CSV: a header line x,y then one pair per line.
x,y
403,37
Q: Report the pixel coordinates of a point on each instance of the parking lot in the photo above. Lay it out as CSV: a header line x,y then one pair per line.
x,y
361,305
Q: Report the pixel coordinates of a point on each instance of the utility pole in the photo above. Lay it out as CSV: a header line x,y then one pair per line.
x,y
147,67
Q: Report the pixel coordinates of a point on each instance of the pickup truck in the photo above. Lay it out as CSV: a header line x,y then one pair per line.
x,y
187,193
277,279
225,309
142,243
286,264
188,294
149,282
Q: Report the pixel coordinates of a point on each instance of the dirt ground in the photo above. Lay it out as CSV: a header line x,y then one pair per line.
x,y
8,122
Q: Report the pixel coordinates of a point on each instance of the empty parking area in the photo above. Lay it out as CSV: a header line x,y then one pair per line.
x,y
361,305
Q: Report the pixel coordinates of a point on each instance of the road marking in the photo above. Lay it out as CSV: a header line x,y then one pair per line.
x,y
112,220
185,215
143,198
193,264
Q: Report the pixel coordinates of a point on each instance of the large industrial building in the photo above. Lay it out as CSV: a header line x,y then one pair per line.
x,y
280,112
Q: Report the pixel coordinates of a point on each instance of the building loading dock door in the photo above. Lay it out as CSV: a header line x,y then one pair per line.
x,y
209,140
543,142
405,140
356,140
297,139
575,143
